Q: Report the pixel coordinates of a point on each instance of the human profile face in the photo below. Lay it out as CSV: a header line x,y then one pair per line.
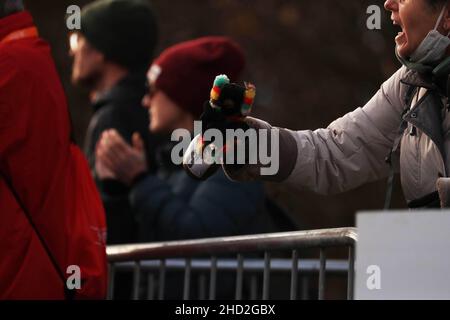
x,y
165,115
416,18
87,61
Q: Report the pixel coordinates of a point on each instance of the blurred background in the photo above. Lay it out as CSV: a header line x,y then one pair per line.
x,y
312,62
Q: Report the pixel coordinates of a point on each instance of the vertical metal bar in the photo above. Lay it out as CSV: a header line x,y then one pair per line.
x,y
150,286
294,275
254,287
136,280
322,271
111,280
239,276
213,278
201,287
351,272
162,279
187,279
266,277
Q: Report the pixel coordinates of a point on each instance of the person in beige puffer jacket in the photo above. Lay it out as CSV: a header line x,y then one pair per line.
x,y
405,126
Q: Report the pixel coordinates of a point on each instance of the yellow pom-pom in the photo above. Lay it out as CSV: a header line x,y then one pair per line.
x,y
250,91
251,94
214,95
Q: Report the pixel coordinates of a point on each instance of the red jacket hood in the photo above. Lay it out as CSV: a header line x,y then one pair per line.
x,y
15,22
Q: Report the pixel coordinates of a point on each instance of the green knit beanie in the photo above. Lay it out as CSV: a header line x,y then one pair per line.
x,y
125,31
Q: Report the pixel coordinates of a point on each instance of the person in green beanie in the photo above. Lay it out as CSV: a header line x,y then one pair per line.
x,y
111,54
8,7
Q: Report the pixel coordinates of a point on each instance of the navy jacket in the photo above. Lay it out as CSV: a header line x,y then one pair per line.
x,y
173,206
120,108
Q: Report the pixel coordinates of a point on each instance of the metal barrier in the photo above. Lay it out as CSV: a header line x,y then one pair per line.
x,y
188,256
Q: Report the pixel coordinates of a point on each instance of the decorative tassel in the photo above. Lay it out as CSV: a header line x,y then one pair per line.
x,y
249,99
220,81
246,106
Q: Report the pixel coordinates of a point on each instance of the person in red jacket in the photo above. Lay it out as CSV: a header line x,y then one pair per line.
x,y
52,224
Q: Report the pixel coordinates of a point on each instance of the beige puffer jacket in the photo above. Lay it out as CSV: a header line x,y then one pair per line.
x,y
352,151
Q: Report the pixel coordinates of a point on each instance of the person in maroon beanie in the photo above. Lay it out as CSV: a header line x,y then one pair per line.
x,y
52,222
177,206
172,205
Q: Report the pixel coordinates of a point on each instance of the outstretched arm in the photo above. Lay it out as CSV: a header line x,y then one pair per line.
x,y
347,154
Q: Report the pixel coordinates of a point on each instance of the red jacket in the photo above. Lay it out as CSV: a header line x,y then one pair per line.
x,y
49,174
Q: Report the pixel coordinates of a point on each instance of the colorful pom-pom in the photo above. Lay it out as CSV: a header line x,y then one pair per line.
x,y
248,101
249,98
221,81
250,91
215,93
246,109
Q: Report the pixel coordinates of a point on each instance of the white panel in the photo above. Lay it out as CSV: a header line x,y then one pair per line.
x,y
410,249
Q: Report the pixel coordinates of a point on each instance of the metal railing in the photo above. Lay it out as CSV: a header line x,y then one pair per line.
x,y
189,256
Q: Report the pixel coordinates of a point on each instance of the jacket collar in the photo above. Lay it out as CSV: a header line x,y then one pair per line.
x,y
415,79
131,87
15,22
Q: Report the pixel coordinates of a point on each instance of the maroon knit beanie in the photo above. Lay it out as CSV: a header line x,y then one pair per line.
x,y
186,72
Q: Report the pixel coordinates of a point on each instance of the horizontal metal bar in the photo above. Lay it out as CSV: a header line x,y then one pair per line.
x,y
230,245
231,265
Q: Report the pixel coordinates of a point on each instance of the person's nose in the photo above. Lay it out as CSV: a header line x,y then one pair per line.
x,y
73,44
391,5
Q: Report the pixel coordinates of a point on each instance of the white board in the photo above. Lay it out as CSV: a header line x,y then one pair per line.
x,y
403,255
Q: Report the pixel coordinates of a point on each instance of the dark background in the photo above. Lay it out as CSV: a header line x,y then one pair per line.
x,y
312,62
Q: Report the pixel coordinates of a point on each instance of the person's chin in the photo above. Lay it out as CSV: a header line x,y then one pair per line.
x,y
86,83
155,128
403,48
152,129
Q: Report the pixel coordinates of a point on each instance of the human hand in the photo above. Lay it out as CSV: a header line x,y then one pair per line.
x,y
229,105
117,158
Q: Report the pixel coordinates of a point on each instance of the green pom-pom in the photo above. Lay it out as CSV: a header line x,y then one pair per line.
x,y
246,109
221,81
